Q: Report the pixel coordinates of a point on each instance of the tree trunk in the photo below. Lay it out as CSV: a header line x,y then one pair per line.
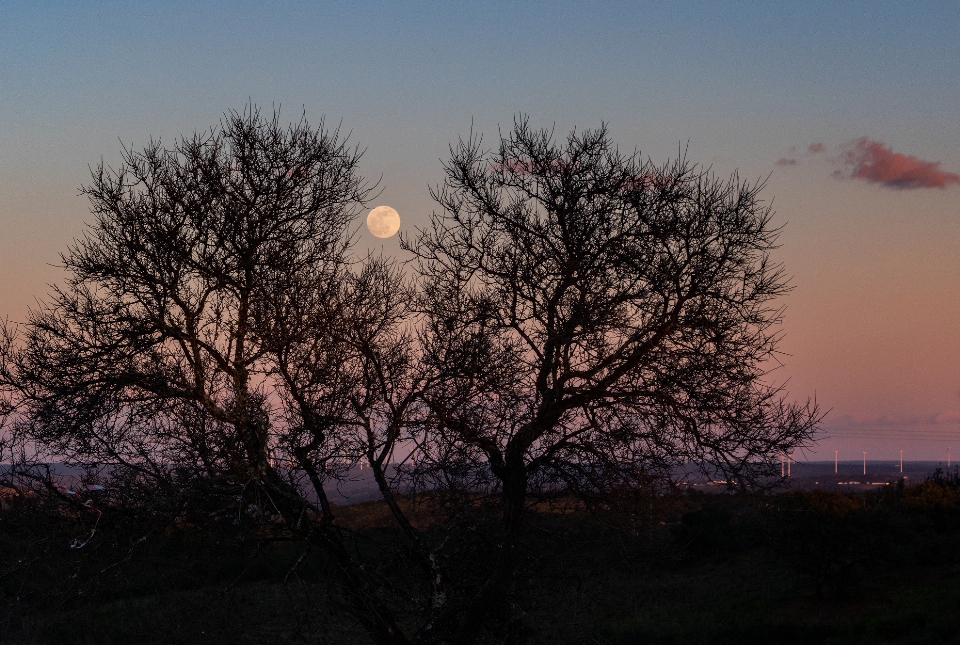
x,y
495,594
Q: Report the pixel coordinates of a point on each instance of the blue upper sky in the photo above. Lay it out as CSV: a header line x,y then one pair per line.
x,y
733,78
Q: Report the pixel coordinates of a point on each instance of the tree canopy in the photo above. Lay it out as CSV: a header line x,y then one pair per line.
x,y
575,323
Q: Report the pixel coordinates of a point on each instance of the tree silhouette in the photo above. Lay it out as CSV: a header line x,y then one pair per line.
x,y
600,321
577,325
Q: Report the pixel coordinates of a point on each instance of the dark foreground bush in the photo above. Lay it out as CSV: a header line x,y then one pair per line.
x,y
799,567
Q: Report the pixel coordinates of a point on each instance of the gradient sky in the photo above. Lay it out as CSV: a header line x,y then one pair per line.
x,y
872,223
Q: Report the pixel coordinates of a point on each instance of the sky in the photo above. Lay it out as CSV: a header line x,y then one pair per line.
x,y
848,111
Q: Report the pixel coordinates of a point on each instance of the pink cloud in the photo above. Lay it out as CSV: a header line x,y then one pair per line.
x,y
876,162
947,416
867,421
793,153
644,181
527,166
651,181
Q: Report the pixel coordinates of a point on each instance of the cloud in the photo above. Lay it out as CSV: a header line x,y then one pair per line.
x,y
645,181
866,421
947,416
876,162
793,153
651,181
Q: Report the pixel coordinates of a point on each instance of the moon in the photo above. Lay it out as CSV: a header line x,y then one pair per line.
x,y
383,221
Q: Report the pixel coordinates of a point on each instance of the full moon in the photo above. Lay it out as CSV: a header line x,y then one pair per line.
x,y
383,221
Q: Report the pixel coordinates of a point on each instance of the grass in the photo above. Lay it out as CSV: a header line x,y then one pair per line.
x,y
815,567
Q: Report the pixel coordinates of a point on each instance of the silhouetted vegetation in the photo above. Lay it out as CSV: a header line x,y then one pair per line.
x,y
795,567
577,326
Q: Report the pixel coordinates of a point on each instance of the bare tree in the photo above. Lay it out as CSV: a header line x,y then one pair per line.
x,y
215,326
600,321
164,313
578,323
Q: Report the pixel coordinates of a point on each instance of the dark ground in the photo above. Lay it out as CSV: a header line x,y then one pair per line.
x,y
804,566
